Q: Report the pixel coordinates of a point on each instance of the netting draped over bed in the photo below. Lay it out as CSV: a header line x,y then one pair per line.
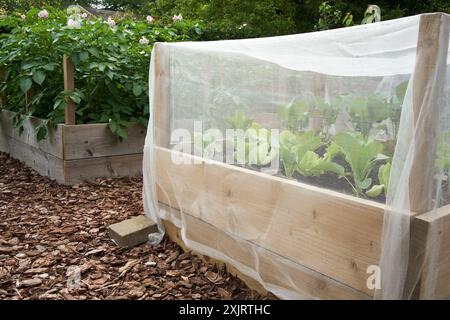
x,y
317,164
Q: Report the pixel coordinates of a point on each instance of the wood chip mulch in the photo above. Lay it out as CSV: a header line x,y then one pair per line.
x,y
47,230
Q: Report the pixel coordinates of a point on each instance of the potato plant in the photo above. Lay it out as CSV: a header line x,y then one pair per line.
x,y
111,59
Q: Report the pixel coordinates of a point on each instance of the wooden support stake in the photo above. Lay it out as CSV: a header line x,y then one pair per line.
x,y
2,80
316,121
428,86
161,96
28,97
69,85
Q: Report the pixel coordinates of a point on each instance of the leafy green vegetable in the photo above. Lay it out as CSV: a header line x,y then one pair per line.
x,y
383,177
294,115
313,165
293,147
328,111
361,154
258,148
239,120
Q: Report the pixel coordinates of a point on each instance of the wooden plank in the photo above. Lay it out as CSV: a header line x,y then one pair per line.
x,y
77,171
4,138
69,85
52,144
97,140
428,87
161,95
283,277
2,80
335,234
44,163
28,97
439,239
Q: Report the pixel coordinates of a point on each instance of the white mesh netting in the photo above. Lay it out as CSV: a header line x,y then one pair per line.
x,y
317,164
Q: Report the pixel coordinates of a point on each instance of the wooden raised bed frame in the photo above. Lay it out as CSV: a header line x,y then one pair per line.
x,y
326,238
73,153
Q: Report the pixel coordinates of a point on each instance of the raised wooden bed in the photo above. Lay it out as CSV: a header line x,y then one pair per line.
x,y
73,153
332,237
310,241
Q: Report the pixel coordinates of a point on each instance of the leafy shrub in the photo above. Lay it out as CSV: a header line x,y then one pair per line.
x,y
111,60
111,67
233,19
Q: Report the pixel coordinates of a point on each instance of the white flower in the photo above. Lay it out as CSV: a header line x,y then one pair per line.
x,y
111,22
84,15
144,40
176,18
150,19
23,17
43,14
73,24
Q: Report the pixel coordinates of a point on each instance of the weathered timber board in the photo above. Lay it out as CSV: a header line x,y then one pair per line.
x,y
331,233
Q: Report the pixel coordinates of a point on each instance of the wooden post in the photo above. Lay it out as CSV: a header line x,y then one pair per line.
x,y
28,96
161,96
2,79
69,85
428,86
316,121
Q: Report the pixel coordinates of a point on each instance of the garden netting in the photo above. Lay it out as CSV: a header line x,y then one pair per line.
x,y
262,151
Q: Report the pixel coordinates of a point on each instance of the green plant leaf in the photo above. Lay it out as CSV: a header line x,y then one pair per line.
x,y
375,191
25,84
39,77
122,133
361,154
137,89
41,132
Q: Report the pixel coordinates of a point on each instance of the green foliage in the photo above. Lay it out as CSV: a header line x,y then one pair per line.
x,y
312,164
233,19
258,149
111,67
239,120
294,146
330,17
328,111
442,162
294,115
383,177
361,154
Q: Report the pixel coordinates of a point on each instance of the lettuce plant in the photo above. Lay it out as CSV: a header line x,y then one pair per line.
x,y
312,164
294,146
361,154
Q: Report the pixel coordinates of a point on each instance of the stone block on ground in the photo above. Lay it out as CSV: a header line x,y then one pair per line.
x,y
132,232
